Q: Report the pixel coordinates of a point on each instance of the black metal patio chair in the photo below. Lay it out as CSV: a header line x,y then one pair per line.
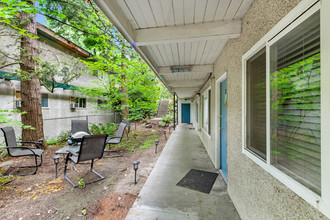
x,y
91,148
21,151
79,128
129,125
116,139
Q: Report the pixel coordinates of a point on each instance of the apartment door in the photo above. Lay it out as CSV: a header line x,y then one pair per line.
x,y
223,127
185,113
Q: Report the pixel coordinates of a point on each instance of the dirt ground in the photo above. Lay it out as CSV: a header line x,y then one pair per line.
x,y
41,196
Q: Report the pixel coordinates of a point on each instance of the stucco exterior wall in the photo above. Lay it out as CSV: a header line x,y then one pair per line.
x,y
254,192
208,140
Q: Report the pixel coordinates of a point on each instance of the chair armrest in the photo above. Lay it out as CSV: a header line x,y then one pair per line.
x,y
27,148
38,144
115,137
72,152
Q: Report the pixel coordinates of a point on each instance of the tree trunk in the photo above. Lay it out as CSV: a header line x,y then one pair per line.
x,y
30,84
124,111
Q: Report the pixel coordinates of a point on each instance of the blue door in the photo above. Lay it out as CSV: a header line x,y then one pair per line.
x,y
185,113
223,127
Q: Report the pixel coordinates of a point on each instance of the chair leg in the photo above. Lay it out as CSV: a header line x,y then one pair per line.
x,y
65,175
92,170
99,175
28,166
115,151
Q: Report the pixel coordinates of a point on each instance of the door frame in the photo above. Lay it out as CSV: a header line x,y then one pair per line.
x,y
217,127
186,103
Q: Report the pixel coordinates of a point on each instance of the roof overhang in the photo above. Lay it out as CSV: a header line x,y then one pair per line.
x,y
180,40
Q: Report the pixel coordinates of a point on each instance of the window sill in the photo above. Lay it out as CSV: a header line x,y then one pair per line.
x,y
305,193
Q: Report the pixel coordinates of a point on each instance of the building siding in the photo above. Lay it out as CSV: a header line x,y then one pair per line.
x,y
255,193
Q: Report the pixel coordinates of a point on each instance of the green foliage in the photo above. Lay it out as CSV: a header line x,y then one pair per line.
x,y
81,182
147,144
138,139
101,129
116,64
295,92
84,211
4,180
168,118
60,138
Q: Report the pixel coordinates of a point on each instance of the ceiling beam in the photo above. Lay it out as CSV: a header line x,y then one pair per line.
x,y
166,70
184,83
117,17
190,32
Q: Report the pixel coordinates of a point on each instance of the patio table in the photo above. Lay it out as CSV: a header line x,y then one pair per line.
x,y
64,150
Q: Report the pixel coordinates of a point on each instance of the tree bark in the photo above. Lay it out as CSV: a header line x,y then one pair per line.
x,y
124,111
30,84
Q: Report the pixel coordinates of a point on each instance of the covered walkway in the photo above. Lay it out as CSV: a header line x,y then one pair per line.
x,y
160,198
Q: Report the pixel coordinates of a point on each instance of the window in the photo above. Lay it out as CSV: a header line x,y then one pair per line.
x,y
78,102
44,100
282,105
206,110
197,105
256,104
81,102
295,103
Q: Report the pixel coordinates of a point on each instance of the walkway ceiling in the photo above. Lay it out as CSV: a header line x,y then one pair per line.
x,y
179,39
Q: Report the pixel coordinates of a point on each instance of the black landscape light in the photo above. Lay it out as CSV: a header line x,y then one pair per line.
x,y
165,134
56,159
156,143
135,167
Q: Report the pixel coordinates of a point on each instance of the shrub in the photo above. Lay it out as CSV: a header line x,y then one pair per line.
x,y
102,129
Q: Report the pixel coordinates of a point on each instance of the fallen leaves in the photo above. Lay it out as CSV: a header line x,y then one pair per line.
x,y
47,188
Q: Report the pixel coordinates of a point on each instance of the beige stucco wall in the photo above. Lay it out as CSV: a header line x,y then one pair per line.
x,y
255,193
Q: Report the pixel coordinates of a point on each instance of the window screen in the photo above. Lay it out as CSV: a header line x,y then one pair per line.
x,y
256,104
295,103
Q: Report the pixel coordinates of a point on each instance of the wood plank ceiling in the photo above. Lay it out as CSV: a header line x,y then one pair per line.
x,y
179,39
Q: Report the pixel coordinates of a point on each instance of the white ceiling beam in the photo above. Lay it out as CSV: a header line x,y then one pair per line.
x,y
184,83
117,17
195,69
190,32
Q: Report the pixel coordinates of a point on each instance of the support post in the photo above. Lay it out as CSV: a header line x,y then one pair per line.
x,y
174,111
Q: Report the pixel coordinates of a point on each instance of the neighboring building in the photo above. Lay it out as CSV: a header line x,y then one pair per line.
x,y
65,103
248,75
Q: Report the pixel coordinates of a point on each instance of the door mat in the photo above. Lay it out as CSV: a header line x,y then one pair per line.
x,y
199,180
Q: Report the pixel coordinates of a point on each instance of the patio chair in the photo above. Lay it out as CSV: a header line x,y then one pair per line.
x,y
79,128
21,151
79,125
92,147
129,125
116,139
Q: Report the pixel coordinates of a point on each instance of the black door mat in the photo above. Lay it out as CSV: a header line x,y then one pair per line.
x,y
199,180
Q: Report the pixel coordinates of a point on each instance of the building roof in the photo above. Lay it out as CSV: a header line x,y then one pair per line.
x,y
51,35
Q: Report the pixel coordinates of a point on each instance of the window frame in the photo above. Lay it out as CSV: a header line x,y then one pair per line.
x,y
44,94
207,129
298,15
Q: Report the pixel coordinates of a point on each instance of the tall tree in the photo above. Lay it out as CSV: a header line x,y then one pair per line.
x,y
30,83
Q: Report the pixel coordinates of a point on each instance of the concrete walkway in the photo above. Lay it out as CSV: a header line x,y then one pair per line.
x,y
160,198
